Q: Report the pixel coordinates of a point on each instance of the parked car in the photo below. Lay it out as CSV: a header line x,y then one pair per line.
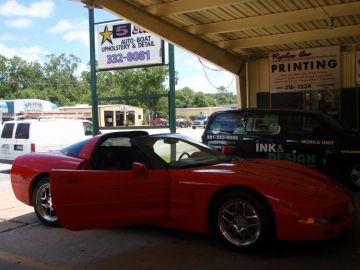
x,y
158,122
173,181
181,122
25,136
200,121
310,138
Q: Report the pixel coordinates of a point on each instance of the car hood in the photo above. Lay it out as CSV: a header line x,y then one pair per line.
x,y
279,174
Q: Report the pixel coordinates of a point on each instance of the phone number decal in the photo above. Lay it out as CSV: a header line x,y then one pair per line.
x,y
297,86
129,57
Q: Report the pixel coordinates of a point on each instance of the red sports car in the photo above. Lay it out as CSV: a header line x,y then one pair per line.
x,y
158,122
170,180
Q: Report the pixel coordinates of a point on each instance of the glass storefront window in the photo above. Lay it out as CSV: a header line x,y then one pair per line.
x,y
326,101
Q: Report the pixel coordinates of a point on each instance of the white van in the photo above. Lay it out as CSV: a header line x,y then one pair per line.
x,y
25,136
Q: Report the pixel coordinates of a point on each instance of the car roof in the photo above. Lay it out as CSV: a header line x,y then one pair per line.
x,y
266,110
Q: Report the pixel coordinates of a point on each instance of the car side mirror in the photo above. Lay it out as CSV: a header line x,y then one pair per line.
x,y
275,128
138,168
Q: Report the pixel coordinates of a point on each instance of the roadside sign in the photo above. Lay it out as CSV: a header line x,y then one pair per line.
x,y
122,44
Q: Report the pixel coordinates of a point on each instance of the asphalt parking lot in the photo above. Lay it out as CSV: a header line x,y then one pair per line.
x,y
27,244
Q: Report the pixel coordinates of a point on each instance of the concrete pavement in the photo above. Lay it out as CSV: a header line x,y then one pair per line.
x,y
11,210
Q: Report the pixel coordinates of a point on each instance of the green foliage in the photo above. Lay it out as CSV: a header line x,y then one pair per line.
x,y
187,98
56,80
136,82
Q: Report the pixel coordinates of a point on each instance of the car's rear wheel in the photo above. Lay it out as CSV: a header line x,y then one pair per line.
x,y
355,176
243,220
43,204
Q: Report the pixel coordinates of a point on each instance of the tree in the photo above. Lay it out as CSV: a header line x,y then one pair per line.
x,y
202,100
184,98
60,73
224,97
135,82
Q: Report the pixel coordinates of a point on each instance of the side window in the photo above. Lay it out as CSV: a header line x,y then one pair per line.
x,y
7,131
263,124
302,124
87,128
117,141
114,154
312,125
22,131
165,147
228,123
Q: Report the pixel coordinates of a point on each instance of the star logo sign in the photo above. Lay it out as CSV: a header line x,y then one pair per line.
x,y
106,35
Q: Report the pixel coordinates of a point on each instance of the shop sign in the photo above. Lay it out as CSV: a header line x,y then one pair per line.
x,y
358,68
33,106
305,70
122,44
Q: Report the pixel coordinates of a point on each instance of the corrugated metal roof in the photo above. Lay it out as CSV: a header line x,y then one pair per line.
x,y
245,28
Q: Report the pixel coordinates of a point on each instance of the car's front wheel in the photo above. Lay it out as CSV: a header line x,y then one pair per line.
x,y
43,204
243,220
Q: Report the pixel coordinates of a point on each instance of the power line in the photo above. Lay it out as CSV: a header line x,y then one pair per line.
x,y
208,79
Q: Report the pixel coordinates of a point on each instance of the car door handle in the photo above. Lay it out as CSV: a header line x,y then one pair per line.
x,y
248,139
294,141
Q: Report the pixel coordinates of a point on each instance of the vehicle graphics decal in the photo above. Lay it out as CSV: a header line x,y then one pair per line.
x,y
222,142
222,137
276,151
350,151
321,142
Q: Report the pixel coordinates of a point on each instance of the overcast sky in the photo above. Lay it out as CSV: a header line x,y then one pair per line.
x,y
34,29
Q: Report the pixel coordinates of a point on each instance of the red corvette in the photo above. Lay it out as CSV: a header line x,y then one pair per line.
x,y
172,181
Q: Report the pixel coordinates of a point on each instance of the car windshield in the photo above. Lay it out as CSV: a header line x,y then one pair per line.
x,y
74,150
179,152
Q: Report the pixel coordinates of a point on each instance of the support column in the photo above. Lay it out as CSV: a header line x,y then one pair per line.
x,y
172,109
95,118
241,86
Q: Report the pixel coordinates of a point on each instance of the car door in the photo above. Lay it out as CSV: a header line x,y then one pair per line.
x,y
261,138
85,199
307,139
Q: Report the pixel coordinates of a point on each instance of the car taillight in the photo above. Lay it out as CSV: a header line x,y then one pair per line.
x,y
33,147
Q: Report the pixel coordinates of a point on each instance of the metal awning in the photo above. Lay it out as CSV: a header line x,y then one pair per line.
x,y
227,32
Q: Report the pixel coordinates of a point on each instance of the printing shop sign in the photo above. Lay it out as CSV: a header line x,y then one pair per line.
x,y
123,44
305,70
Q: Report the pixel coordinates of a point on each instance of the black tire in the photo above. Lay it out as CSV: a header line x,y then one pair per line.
x,y
243,220
354,176
193,127
42,203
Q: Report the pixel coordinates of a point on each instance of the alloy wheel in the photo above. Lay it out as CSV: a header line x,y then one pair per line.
x,y
239,222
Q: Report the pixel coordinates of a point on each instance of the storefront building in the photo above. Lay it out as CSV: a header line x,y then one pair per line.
x,y
321,79
114,115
